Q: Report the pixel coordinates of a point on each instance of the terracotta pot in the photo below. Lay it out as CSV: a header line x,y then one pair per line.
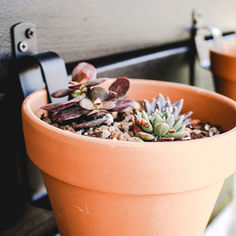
x,y
105,187
223,67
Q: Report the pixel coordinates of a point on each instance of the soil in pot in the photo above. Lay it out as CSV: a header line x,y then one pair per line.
x,y
96,111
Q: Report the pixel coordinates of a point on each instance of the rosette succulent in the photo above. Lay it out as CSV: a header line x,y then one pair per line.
x,y
161,120
89,103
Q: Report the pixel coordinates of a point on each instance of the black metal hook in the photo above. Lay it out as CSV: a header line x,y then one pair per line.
x,y
36,71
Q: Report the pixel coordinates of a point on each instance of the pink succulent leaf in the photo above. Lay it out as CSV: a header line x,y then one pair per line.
x,y
122,104
96,82
84,72
57,107
97,112
120,86
61,93
68,114
108,105
91,123
86,104
99,92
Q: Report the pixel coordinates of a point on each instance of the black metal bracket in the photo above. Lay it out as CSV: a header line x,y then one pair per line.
x,y
36,71
33,71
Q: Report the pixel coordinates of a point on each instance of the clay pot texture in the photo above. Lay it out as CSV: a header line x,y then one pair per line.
x,y
223,67
105,187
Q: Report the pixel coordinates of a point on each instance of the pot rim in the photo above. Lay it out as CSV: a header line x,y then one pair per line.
x,y
225,54
37,120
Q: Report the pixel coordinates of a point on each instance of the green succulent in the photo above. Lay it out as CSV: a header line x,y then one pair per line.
x,y
163,124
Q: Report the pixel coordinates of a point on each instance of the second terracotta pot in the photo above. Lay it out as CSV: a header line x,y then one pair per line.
x,y
223,67
100,187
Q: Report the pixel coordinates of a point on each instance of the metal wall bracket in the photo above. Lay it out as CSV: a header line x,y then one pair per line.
x,y
36,71
202,47
24,39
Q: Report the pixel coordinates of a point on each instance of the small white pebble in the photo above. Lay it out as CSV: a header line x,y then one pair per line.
x,y
109,120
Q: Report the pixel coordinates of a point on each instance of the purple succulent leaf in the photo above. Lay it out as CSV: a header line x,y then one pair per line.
x,y
108,105
68,114
148,107
122,104
120,86
61,93
77,85
179,106
161,100
97,112
91,123
96,82
187,115
57,107
153,104
168,105
187,119
86,104
158,106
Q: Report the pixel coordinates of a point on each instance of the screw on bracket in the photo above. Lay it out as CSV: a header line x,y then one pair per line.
x,y
22,46
30,33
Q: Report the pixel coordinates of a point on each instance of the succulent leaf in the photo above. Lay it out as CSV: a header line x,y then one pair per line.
x,y
62,93
161,128
120,86
146,136
145,116
83,73
86,104
57,107
122,104
146,126
156,119
108,105
178,123
98,92
68,114
97,113
170,120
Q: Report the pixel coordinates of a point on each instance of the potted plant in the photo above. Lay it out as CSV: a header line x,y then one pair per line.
x,y
223,67
100,186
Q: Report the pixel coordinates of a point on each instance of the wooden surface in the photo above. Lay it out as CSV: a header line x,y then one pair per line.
x,y
32,221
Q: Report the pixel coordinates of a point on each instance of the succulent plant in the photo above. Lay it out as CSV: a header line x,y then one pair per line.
x,y
161,120
89,103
